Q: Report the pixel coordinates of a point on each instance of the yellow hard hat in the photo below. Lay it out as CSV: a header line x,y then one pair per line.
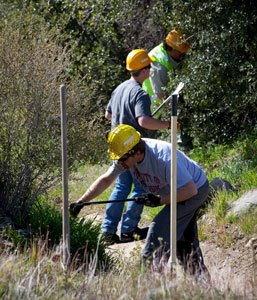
x,y
121,140
137,59
177,41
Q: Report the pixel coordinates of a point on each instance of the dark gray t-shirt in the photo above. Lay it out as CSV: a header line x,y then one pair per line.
x,y
128,102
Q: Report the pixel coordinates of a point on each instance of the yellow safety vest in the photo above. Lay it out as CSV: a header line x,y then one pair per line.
x,y
160,55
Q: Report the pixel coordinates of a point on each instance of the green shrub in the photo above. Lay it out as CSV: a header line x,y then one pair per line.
x,y
31,68
46,223
220,73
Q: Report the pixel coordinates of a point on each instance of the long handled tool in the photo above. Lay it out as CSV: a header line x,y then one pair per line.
x,y
176,92
173,184
146,199
76,207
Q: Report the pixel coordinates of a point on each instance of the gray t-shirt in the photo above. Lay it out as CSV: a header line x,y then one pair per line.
x,y
128,102
154,172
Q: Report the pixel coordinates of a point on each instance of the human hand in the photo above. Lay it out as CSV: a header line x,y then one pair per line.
x,y
75,208
149,200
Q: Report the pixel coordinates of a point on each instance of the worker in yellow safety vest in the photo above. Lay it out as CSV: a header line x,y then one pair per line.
x,y
167,56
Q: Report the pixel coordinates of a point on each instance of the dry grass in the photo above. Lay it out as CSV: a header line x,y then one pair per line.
x,y
42,276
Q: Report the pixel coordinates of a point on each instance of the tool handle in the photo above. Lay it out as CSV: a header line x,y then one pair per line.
x,y
176,92
163,103
104,202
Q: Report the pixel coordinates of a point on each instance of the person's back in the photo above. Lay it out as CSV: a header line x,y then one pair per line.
x,y
128,102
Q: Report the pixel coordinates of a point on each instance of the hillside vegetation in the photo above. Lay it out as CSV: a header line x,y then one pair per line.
x,y
84,44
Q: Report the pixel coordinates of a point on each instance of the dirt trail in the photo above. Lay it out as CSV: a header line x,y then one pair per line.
x,y
232,268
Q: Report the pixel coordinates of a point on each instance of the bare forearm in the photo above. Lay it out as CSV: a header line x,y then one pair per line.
x,y
160,96
152,123
185,192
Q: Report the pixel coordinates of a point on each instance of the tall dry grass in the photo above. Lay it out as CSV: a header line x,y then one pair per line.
x,y
39,274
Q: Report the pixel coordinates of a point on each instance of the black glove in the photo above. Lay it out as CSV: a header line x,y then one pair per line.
x,y
149,200
75,208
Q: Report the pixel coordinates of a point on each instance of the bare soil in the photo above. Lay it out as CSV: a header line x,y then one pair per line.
x,y
230,257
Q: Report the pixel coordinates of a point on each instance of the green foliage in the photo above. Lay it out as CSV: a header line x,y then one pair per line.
x,y
96,50
17,240
99,37
32,67
234,162
247,222
46,223
220,73
220,206
29,125
84,45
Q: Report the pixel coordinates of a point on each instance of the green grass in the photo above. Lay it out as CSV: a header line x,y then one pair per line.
x,y
246,222
80,180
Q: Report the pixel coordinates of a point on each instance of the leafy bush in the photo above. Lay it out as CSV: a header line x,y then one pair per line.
x,y
31,68
221,70
46,223
220,74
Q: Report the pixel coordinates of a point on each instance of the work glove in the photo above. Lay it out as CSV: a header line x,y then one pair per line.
x,y
149,200
75,208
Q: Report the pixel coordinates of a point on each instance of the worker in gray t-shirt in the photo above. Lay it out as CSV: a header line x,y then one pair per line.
x,y
149,162
129,102
131,105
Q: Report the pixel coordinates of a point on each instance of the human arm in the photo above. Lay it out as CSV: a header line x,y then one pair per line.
x,y
160,95
183,193
108,111
97,187
152,123
108,115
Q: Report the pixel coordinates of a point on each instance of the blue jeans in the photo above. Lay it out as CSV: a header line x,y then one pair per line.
x,y
114,211
158,237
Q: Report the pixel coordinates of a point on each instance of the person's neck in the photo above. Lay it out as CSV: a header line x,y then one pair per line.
x,y
138,79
